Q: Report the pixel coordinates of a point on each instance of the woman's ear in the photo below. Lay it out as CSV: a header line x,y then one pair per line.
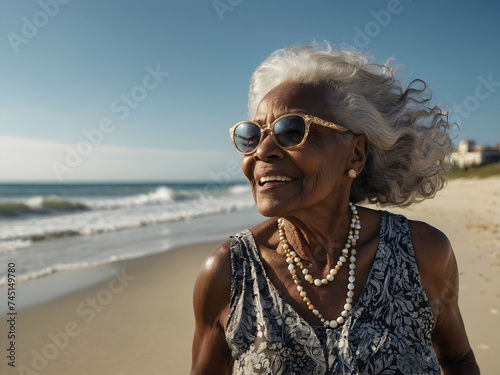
x,y
361,146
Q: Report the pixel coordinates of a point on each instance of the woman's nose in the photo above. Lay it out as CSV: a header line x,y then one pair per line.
x,y
268,148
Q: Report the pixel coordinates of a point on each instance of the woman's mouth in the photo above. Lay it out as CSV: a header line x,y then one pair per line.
x,y
274,180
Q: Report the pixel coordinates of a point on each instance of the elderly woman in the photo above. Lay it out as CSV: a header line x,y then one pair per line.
x,y
325,286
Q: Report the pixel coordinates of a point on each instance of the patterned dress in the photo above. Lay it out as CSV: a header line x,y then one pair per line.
x,y
388,331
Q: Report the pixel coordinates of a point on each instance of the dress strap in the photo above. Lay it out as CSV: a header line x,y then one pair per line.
x,y
244,275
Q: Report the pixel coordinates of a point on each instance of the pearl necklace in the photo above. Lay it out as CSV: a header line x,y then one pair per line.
x,y
292,257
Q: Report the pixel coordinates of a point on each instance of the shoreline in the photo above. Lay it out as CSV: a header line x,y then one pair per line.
x,y
139,318
45,260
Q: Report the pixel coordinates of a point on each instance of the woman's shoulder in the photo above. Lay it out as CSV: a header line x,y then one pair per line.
x,y
435,260
431,246
429,242
212,287
217,265
426,239
213,284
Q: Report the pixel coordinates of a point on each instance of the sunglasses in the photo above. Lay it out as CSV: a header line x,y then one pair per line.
x,y
288,131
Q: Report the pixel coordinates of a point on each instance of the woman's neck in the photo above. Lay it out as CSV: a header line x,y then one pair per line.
x,y
319,236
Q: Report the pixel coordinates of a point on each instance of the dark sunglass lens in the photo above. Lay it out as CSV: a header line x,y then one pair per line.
x,y
290,130
246,137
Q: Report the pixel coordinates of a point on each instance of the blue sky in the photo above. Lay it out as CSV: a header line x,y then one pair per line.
x,y
157,84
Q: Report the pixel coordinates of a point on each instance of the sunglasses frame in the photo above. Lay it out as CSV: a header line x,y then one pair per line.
x,y
308,120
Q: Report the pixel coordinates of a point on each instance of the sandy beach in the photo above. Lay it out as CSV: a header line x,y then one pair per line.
x,y
140,321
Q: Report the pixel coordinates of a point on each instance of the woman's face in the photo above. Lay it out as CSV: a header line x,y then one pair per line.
x,y
311,177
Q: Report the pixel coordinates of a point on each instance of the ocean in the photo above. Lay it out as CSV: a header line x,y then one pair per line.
x,y
49,228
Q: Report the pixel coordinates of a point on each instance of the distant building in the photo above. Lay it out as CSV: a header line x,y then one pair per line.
x,y
470,155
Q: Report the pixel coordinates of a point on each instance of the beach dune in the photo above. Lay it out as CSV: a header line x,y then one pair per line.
x,y
140,320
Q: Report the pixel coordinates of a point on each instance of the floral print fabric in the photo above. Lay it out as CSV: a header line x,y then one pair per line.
x,y
388,331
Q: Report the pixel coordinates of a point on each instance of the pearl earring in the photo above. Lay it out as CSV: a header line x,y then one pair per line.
x,y
352,173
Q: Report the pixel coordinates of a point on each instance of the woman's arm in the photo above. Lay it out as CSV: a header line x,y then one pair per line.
x,y
439,274
211,355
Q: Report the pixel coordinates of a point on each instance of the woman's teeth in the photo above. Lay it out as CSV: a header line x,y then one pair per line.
x,y
263,180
